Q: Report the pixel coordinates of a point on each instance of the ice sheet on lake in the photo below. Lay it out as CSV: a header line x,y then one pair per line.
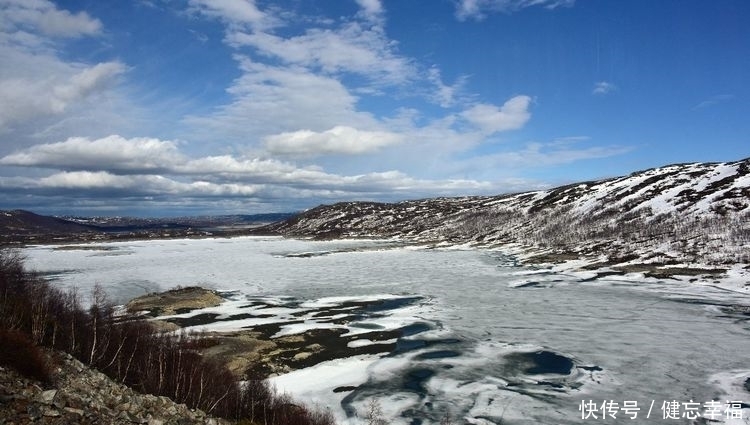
x,y
471,339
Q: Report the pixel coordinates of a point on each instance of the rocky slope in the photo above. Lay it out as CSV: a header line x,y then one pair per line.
x,y
692,218
79,395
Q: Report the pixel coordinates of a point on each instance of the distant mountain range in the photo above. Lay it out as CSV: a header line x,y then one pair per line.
x,y
687,217
19,226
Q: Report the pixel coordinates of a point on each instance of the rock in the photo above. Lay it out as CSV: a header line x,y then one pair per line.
x,y
301,356
83,396
51,412
76,412
35,411
48,396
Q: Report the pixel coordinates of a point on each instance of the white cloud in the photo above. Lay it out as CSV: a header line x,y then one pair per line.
x,y
538,155
109,153
44,97
338,140
713,100
603,87
136,167
235,12
352,49
44,16
120,169
490,119
371,9
27,98
478,9
443,94
271,100
141,185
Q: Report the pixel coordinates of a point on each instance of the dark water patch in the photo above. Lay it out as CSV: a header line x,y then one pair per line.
x,y
549,362
441,354
412,414
416,379
332,312
366,325
252,304
531,284
551,384
541,362
344,389
591,368
415,328
746,385
374,336
406,345
391,304
306,254
228,295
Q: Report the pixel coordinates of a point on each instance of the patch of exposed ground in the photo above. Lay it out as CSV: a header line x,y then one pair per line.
x,y
660,271
553,258
175,301
257,352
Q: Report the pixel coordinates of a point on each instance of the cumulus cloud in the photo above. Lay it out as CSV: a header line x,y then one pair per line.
x,y
40,92
338,140
478,9
25,98
492,119
603,87
44,16
300,96
126,168
371,9
141,185
109,153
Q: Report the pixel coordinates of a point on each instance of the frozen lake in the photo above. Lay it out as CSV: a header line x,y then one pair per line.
x,y
491,342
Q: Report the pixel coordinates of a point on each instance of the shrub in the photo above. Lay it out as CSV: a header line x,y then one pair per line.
x,y
19,353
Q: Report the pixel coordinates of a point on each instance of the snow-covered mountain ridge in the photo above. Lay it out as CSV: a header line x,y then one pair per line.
x,y
688,218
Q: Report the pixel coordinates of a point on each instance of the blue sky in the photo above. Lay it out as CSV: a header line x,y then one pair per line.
x,y
173,107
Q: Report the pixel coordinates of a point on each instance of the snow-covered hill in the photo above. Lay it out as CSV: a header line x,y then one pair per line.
x,y
690,219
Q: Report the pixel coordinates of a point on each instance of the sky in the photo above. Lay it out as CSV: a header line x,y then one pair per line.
x,y
191,107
